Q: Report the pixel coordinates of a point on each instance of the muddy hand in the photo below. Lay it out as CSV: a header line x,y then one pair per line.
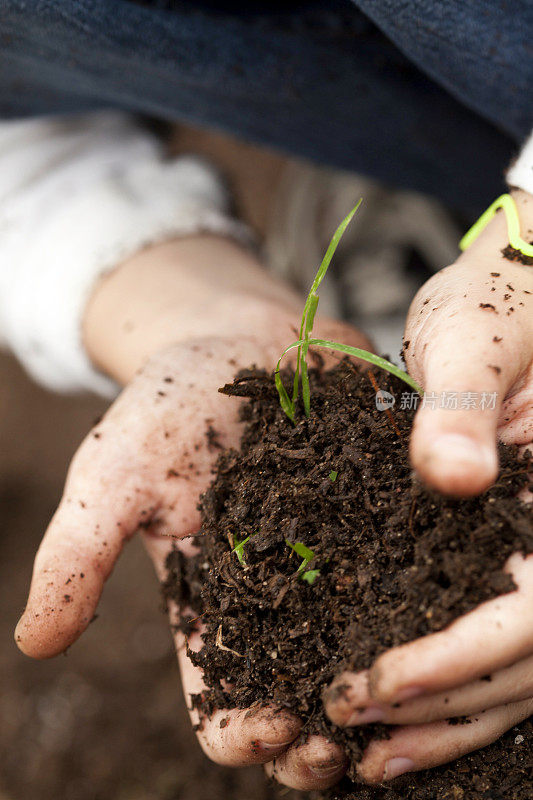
x,y
147,461
470,329
481,667
469,343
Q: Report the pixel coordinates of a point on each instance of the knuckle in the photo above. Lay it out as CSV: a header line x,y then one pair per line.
x,y
513,713
377,678
274,727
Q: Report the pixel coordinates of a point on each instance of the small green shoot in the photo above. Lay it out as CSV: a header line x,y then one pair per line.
x,y
506,202
305,341
310,576
301,550
333,476
239,548
306,326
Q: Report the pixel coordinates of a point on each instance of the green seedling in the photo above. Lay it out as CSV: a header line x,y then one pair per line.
x,y
506,202
239,548
309,575
333,476
301,550
305,341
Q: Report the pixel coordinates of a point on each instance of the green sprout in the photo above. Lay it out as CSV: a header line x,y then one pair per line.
x,y
506,202
305,341
309,575
333,475
239,548
301,550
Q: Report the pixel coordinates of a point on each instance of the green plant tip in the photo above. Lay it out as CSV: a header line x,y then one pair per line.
x,y
288,404
333,475
506,202
304,552
310,576
301,550
239,548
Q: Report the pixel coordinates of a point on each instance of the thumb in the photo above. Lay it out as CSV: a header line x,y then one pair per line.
x,y
100,509
453,444
466,370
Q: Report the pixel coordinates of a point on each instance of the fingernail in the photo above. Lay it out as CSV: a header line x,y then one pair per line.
x,y
367,715
462,449
407,693
397,766
270,747
326,770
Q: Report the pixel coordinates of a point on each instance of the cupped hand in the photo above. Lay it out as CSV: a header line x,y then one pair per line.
x,y
469,343
142,468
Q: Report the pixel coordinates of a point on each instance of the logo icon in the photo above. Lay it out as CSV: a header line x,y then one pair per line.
x,y
384,400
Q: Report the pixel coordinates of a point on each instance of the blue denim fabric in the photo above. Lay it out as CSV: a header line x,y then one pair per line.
x,y
481,51
316,79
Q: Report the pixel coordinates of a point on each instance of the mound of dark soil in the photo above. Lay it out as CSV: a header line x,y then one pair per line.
x,y
392,562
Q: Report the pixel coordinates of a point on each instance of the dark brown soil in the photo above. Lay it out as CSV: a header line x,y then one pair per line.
x,y
395,562
512,254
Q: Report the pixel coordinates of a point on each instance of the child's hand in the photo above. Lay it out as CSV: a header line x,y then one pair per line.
x,y
470,329
147,461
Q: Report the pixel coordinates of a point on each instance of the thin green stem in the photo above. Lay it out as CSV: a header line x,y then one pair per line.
x,y
305,341
506,202
309,312
365,355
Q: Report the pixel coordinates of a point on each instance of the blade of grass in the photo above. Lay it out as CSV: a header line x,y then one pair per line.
x,y
506,202
301,550
239,548
306,393
304,552
365,355
285,401
306,327
330,252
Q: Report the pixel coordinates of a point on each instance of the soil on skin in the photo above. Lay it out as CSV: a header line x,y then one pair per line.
x,y
512,254
395,562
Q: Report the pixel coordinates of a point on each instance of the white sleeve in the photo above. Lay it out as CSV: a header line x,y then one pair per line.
x,y
77,196
520,173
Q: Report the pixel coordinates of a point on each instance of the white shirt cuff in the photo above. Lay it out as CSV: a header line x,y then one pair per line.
x,y
71,227
520,173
